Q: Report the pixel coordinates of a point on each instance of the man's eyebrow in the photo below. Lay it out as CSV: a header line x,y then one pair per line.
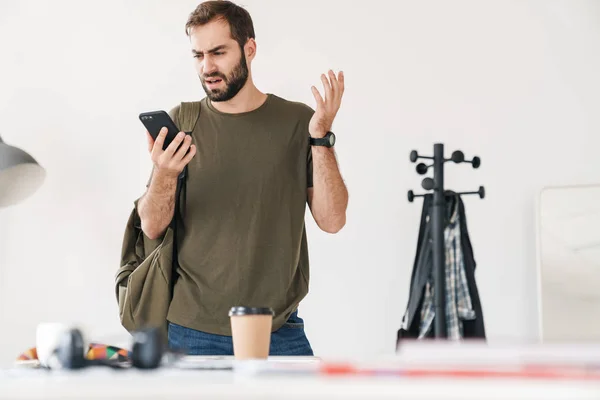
x,y
214,49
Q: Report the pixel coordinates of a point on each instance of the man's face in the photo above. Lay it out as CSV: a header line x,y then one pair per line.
x,y
220,62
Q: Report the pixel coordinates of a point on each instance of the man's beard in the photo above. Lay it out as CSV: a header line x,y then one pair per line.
x,y
233,83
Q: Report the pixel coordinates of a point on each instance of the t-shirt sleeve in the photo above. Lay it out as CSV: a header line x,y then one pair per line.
x,y
308,113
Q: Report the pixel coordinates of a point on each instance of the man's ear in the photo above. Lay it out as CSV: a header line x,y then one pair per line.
x,y
250,49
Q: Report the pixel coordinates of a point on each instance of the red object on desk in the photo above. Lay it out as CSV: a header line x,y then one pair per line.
x,y
526,372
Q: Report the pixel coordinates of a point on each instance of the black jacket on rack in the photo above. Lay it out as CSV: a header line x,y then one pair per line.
x,y
423,266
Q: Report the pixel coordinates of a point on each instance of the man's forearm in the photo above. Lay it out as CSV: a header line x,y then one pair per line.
x,y
157,205
330,195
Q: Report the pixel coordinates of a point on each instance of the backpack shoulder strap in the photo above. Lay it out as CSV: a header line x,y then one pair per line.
x,y
189,112
188,115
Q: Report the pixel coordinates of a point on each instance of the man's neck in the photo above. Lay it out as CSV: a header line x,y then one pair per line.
x,y
248,98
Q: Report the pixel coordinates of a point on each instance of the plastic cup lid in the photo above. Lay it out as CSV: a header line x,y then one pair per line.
x,y
237,311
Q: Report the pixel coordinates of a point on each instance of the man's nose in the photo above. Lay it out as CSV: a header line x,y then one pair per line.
x,y
209,66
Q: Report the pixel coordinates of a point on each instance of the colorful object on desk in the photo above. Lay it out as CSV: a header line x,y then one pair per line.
x,y
30,354
96,351
104,352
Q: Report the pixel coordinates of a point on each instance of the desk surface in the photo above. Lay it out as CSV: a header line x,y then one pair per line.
x,y
180,384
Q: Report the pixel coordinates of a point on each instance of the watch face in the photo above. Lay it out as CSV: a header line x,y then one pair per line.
x,y
332,139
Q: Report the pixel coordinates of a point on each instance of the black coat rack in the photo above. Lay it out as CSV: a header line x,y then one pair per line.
x,y
438,221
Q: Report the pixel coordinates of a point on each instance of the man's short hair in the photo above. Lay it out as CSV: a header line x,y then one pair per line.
x,y
239,20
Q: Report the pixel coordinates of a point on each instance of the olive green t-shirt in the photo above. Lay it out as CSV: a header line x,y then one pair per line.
x,y
244,239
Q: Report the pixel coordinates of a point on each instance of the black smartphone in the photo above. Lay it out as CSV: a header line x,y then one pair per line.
x,y
154,121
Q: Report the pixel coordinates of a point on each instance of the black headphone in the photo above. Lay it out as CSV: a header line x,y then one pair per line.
x,y
146,353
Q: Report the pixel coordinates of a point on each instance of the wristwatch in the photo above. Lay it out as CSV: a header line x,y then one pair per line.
x,y
328,140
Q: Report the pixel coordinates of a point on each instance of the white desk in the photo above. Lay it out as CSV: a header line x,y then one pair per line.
x,y
178,384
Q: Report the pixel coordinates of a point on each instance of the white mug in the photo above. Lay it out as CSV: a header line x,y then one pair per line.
x,y
47,339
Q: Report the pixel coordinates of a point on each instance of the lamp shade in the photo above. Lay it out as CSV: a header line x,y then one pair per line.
x,y
20,175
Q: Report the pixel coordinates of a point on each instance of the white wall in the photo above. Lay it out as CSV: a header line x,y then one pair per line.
x,y
569,251
515,82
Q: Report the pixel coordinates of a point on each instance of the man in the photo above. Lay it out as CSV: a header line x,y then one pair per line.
x,y
254,162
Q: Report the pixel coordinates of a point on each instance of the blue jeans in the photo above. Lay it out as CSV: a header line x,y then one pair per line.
x,y
289,340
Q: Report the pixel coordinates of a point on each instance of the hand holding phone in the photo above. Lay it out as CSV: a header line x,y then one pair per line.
x,y
154,121
170,149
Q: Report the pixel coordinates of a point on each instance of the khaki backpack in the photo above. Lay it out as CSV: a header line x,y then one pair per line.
x,y
145,279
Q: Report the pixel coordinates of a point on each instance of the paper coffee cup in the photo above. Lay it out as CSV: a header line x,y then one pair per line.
x,y
251,332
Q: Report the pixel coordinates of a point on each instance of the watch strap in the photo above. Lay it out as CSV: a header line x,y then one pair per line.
x,y
318,141
324,141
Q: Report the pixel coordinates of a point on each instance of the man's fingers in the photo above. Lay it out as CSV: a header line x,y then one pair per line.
x,y
341,84
160,140
184,148
188,157
334,84
317,96
175,144
326,87
150,141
